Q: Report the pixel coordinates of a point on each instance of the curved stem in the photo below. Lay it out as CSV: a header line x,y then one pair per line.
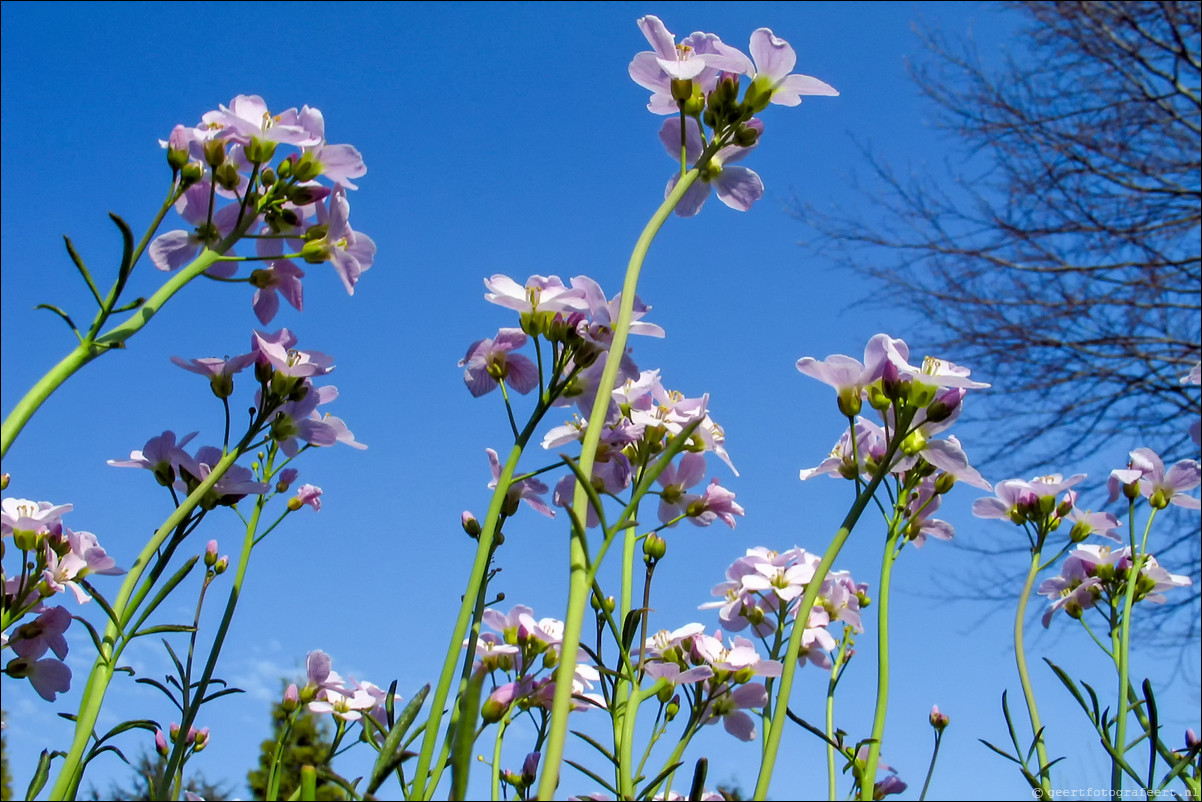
x,y
1123,654
89,349
578,582
1020,656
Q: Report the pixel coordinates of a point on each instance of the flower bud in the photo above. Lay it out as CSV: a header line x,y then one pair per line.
x,y
682,90
291,699
177,148
1079,532
305,167
470,525
944,483
226,176
160,743
214,151
493,709
201,738
664,694
295,504
877,398
190,173
259,151
938,720
211,554
607,603
673,708
1065,507
654,549
4,480
222,564
745,137
530,767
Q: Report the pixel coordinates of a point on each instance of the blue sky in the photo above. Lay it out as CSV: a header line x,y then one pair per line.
x,y
499,138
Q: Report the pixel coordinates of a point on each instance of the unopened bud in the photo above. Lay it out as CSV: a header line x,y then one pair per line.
x,y
214,151
944,483
654,548
4,480
938,720
673,708
745,137
211,554
202,739
267,177
470,525
160,743
226,176
190,173
291,699
221,565
664,694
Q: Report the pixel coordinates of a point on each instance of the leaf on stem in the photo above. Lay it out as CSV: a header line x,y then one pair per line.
x,y
83,270
392,753
63,315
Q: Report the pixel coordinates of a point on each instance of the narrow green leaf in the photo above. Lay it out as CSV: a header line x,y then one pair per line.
x,y
221,693
155,683
77,260
1153,731
159,628
595,745
104,605
698,786
391,752
591,776
39,775
66,318
659,778
166,589
465,735
1006,755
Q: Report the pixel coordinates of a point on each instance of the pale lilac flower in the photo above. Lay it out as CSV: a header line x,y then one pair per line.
x,y
673,675
45,632
541,294
351,252
281,277
341,433
715,503
220,372
489,361
737,187
247,118
675,479
729,708
311,495
338,163
161,455
1088,523
48,676
816,645
529,490
277,351
172,250
1161,487
698,58
602,313
35,517
84,557
772,80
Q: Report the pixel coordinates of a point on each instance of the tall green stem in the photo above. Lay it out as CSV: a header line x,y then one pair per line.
x,y
115,637
868,779
1020,656
423,782
779,717
1123,656
175,764
578,590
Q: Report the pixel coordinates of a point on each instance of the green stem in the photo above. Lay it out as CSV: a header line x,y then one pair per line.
x,y
89,349
930,771
114,639
1020,656
1124,657
578,589
868,779
189,713
813,588
423,781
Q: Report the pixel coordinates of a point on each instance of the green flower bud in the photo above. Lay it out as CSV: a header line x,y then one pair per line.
x,y
214,151
654,549
745,137
673,708
267,177
190,173
226,175
944,483
682,90
306,167
4,480
259,151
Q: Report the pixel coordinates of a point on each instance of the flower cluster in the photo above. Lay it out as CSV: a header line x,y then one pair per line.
x,y
914,404
522,647
327,692
715,676
226,157
699,79
286,411
1091,573
763,589
576,321
54,559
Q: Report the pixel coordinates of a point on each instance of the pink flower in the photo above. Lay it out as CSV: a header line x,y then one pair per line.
x,y
48,676
282,277
351,252
716,503
541,294
737,187
529,490
771,81
699,58
490,361
311,495
44,633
